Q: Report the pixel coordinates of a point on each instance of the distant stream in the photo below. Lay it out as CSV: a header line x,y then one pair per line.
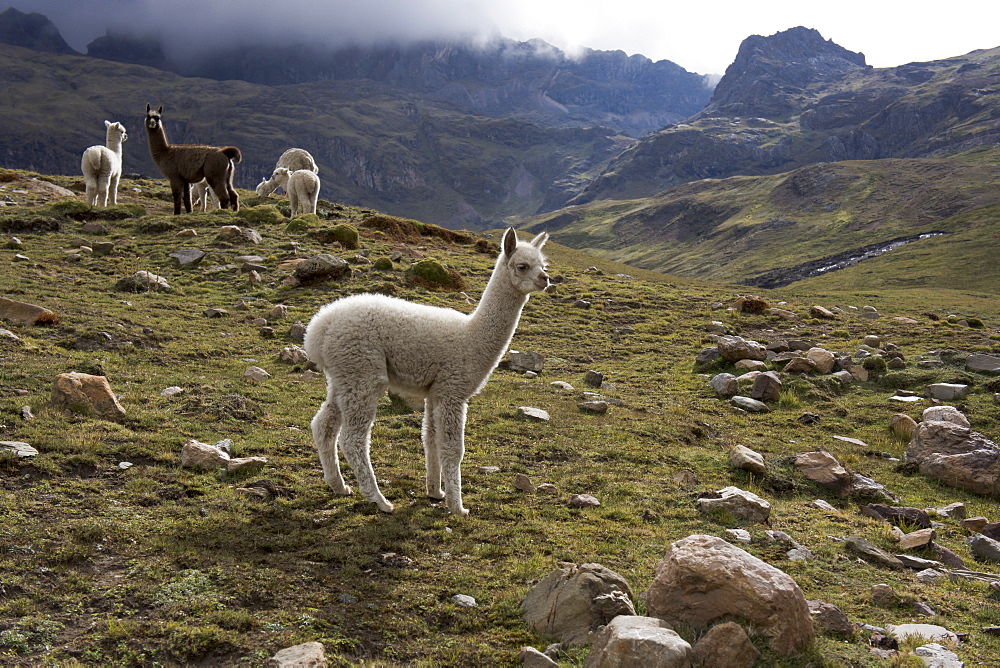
x,y
777,278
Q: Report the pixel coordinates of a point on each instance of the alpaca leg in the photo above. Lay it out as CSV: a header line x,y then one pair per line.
x,y
293,202
449,427
91,195
103,183
325,428
432,454
358,411
220,188
234,198
113,189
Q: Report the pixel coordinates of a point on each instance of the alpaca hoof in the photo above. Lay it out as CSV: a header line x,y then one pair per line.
x,y
340,488
386,507
436,495
460,511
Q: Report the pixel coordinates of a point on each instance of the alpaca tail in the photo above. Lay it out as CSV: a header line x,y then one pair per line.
x,y
95,161
232,153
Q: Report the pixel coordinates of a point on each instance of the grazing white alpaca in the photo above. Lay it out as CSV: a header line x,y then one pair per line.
x,y
201,194
293,159
302,187
102,167
367,344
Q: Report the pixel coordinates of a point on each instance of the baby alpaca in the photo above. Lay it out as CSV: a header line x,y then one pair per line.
x,y
184,164
302,187
367,344
102,167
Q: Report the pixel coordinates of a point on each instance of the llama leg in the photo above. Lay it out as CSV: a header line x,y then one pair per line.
x,y
449,427
432,454
186,194
234,198
176,188
358,411
325,428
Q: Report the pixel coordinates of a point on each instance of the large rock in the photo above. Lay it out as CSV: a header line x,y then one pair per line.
x,y
27,314
736,348
629,640
766,387
947,391
822,359
523,360
87,395
983,363
742,457
738,503
725,384
823,468
196,454
945,414
872,553
574,600
320,267
957,456
704,579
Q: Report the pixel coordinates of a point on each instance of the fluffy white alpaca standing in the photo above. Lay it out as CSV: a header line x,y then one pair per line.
x,y
367,344
302,187
292,160
102,167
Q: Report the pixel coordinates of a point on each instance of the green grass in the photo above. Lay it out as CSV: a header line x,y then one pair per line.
x,y
162,565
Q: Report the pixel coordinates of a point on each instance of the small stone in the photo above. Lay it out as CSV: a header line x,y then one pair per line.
x,y
583,501
19,448
975,524
883,595
245,464
532,658
464,601
930,575
256,374
749,405
593,378
947,391
740,535
917,539
171,391
823,505
598,407
902,425
489,469
561,385
523,483
533,414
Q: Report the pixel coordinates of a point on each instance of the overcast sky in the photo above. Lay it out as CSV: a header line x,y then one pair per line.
x,y
702,37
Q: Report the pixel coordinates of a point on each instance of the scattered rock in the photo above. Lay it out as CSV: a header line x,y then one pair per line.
x,y
598,407
196,454
830,619
926,631
583,501
256,374
947,391
983,363
736,348
293,355
957,456
533,414
19,448
629,640
871,553
523,483
738,503
562,385
245,464
916,540
27,314
935,655
945,414
749,405
902,425
517,360
464,601
593,378
766,387
985,548
322,266
574,600
742,457
725,644
823,468
532,658
883,595
898,515
704,579
306,655
187,257
87,395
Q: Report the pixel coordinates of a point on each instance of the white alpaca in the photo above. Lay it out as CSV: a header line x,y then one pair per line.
x,y
102,167
367,344
201,194
293,159
302,187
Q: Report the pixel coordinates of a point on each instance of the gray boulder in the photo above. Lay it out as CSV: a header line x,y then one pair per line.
x,y
736,348
983,363
725,384
957,456
738,503
321,266
725,644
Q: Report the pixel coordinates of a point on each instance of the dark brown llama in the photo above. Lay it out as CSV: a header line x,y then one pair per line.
x,y
184,164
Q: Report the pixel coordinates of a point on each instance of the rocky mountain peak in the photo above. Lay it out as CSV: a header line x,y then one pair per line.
x,y
768,71
31,31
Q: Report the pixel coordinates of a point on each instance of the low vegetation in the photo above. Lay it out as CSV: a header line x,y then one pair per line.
x,y
155,564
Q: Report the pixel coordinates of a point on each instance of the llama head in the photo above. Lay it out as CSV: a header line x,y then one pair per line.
x,y
525,261
116,129
153,117
280,176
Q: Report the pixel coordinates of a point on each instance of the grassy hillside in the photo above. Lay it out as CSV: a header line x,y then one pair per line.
x,y
738,228
157,564
375,145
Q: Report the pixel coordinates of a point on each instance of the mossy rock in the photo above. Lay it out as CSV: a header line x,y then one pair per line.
x,y
431,274
261,215
297,225
346,235
382,264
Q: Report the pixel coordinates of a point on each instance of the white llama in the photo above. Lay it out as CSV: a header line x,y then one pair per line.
x,y
293,159
367,344
302,187
201,193
102,167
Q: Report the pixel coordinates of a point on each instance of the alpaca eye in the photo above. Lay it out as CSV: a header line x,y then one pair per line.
x,y
522,267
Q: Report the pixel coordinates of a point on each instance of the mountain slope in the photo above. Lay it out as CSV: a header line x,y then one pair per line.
x,y
376,146
794,99
762,229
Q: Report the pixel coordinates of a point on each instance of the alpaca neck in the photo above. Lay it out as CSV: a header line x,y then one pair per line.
x,y
115,144
492,324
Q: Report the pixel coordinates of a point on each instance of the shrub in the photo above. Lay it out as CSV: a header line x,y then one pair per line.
x,y
346,235
430,273
382,264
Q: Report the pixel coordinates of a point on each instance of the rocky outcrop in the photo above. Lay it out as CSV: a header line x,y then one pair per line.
x,y
32,31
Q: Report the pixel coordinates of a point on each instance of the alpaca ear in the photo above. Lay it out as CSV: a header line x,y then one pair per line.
x,y
107,124
509,242
540,240
147,107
